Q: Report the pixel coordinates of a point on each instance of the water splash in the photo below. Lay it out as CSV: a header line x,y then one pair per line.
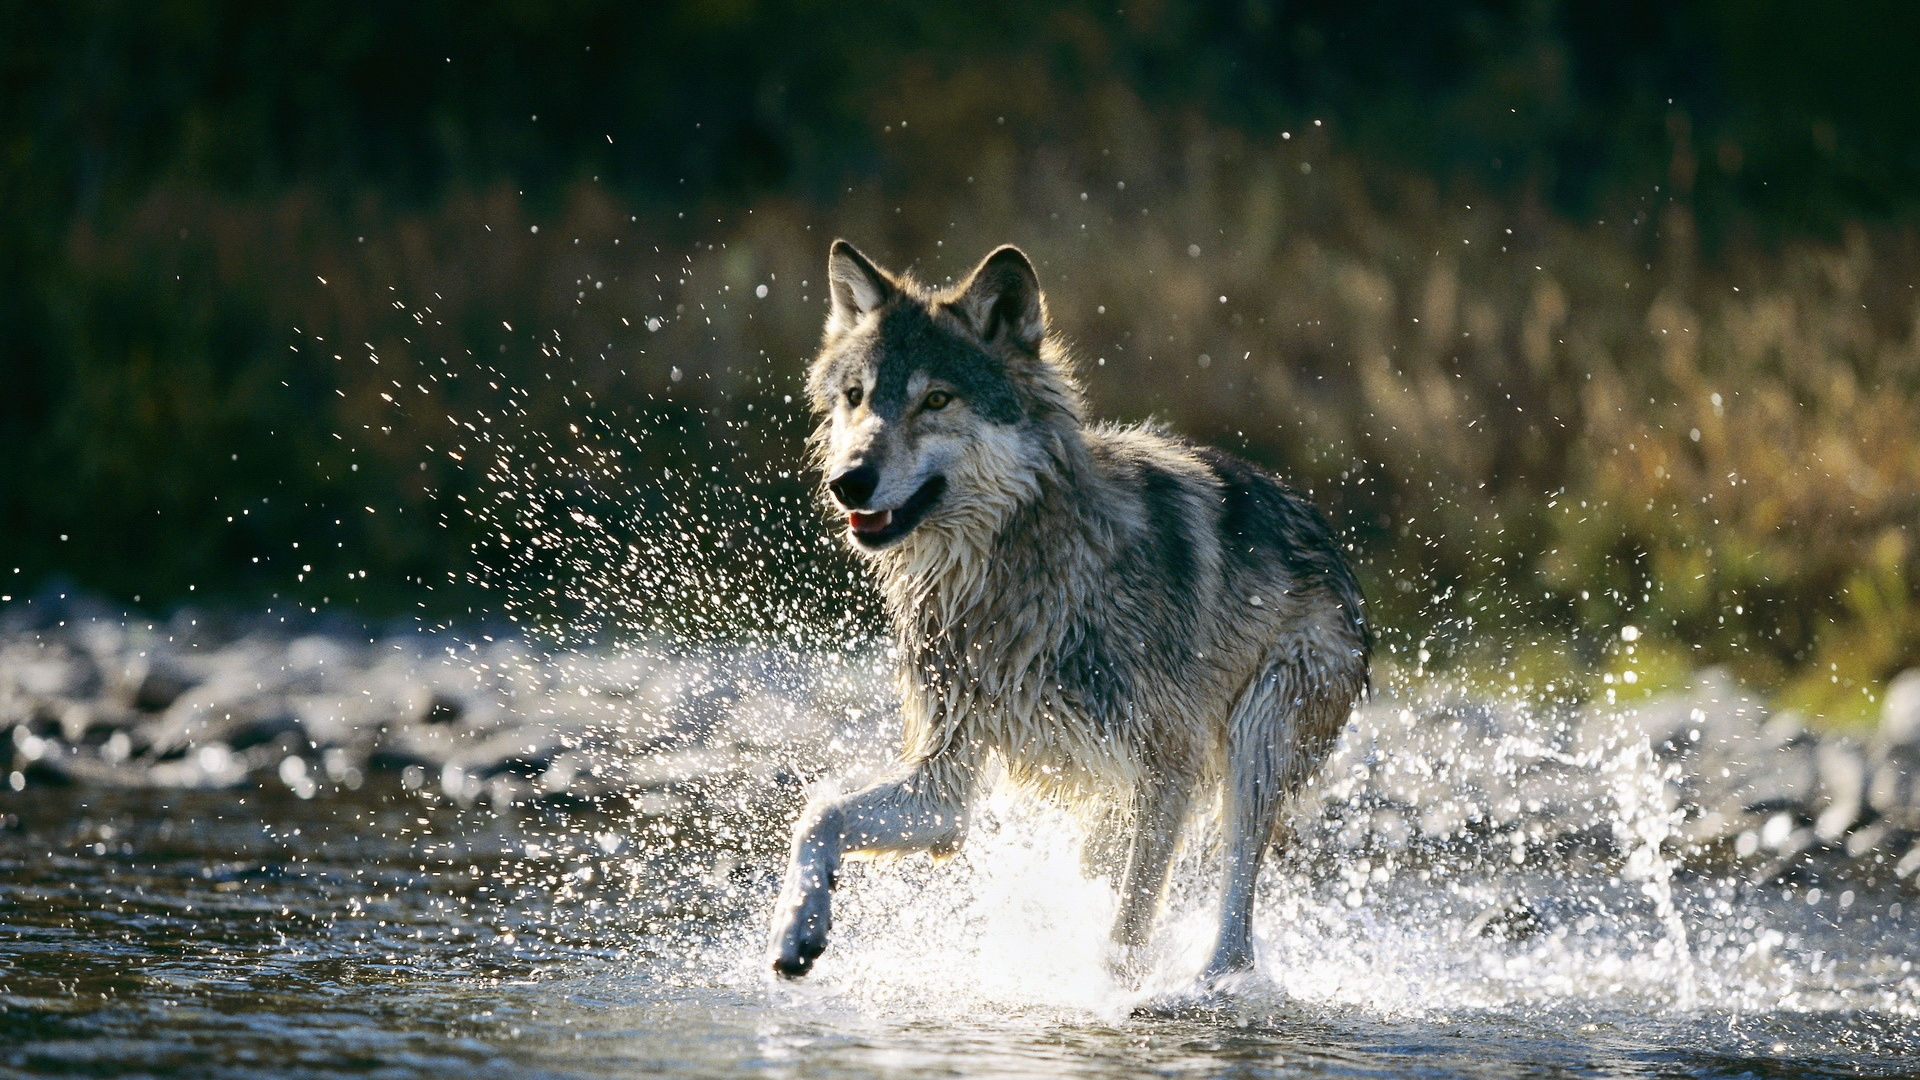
x,y
1422,931
1646,818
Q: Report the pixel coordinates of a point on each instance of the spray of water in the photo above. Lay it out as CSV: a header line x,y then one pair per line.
x,y
1462,851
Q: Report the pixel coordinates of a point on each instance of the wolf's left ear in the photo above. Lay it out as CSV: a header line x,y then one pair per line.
x,y
856,285
1001,300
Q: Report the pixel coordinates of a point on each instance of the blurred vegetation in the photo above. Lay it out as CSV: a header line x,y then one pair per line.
x,y
1574,315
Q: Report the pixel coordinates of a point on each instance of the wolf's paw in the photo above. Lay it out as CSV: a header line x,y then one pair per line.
x,y
1227,969
795,961
800,930
1194,1002
1209,997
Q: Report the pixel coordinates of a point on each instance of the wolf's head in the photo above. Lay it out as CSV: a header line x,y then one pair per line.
x,y
938,409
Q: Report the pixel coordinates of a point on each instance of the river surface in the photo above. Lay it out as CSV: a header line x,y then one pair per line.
x,y
378,932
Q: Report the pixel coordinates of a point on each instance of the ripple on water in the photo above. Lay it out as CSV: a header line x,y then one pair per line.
x,y
241,933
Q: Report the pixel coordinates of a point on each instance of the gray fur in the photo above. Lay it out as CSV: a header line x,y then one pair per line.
x,y
1118,618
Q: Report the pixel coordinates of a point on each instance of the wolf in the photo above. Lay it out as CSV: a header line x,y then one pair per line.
x,y
1114,617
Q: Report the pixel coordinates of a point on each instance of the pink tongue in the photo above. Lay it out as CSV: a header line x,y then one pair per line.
x,y
870,522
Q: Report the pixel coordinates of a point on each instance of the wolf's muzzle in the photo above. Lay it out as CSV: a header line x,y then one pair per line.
x,y
876,531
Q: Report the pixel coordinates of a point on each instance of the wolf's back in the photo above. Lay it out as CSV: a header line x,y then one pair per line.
x,y
1222,530
1263,519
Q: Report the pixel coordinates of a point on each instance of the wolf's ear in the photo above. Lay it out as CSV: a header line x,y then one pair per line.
x,y
857,286
1001,300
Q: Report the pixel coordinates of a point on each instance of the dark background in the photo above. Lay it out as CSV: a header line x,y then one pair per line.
x,y
1572,315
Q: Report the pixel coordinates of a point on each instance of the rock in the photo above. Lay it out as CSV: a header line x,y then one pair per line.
x,y
1908,864
1877,836
1900,709
161,686
397,759
1842,788
248,732
442,709
1783,778
1892,790
49,771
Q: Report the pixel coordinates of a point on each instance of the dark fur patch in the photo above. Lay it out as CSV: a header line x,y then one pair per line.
x,y
1095,682
1262,518
1170,548
909,340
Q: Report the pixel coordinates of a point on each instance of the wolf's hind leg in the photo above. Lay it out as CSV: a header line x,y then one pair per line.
x,y
1279,730
923,809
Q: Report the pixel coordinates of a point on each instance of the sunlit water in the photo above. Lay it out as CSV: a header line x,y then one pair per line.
x,y
390,932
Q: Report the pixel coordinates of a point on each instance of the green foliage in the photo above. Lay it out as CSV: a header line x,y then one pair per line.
x,y
1487,270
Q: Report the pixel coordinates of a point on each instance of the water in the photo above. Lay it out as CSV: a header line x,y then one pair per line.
x,y
392,932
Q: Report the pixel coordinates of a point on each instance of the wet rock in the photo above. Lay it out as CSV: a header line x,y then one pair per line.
x,y
442,709
161,686
1909,863
397,759
1782,771
251,731
1842,788
1892,790
49,771
1900,710
1880,835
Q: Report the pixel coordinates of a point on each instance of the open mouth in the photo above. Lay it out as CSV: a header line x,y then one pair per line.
x,y
879,528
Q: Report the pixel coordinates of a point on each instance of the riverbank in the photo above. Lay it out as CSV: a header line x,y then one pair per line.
x,y
1705,776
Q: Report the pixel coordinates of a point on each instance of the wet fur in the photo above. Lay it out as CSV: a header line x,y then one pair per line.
x,y
1118,618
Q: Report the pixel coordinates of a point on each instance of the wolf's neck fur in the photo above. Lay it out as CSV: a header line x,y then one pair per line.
x,y
943,573
979,607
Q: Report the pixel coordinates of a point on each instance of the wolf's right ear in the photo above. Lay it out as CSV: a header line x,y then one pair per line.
x,y
856,285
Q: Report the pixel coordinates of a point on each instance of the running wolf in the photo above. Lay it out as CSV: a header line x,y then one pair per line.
x,y
1117,618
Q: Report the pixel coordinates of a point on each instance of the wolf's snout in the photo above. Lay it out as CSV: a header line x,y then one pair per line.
x,y
853,487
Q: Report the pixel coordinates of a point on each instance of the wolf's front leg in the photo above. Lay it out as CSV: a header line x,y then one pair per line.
x,y
923,809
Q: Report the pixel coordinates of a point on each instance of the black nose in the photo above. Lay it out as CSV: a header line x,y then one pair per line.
x,y
853,487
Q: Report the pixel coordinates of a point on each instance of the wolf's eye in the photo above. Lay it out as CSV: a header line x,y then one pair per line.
x,y
854,395
938,399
